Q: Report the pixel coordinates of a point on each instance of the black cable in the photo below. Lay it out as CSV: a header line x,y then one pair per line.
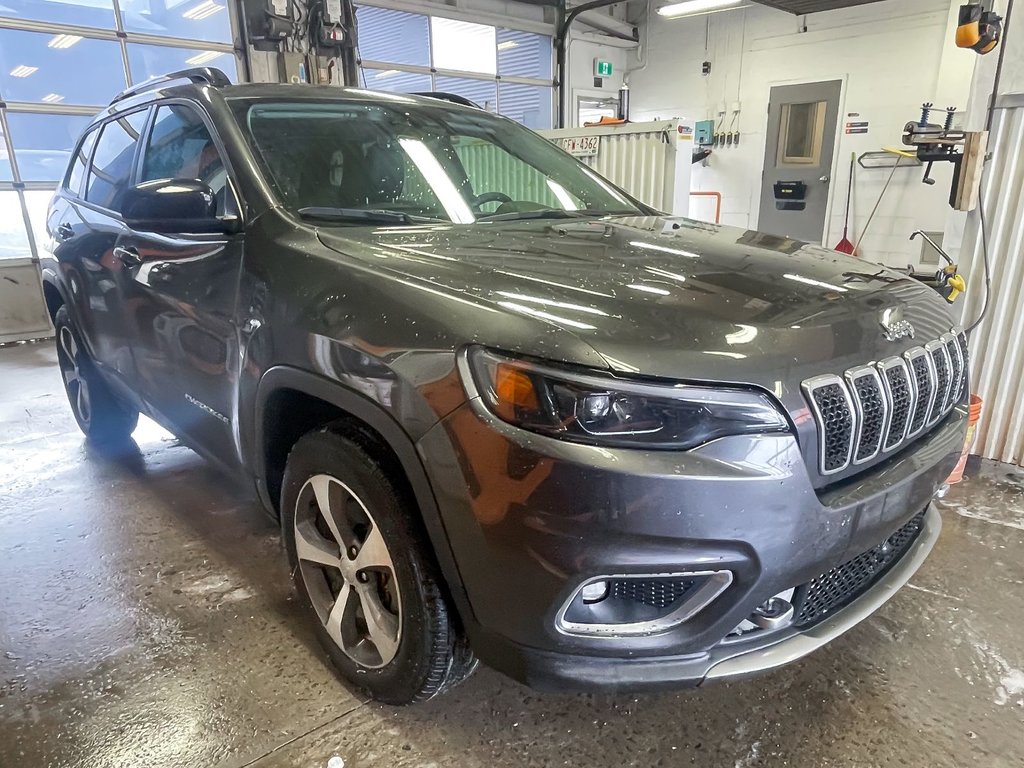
x,y
990,120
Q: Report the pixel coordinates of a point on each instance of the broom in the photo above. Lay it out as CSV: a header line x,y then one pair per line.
x,y
845,246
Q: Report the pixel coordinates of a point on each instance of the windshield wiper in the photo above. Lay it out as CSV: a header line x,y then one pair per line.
x,y
543,213
360,215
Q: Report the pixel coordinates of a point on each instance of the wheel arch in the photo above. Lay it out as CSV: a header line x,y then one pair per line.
x,y
330,402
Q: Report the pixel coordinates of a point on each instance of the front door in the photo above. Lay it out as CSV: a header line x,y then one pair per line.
x,y
802,122
182,291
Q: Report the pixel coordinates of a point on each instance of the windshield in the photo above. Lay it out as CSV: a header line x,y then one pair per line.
x,y
408,162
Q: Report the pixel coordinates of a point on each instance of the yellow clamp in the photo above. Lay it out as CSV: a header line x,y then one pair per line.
x,y
957,285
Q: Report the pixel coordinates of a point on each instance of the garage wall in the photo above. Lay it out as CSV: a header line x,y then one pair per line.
x,y
892,55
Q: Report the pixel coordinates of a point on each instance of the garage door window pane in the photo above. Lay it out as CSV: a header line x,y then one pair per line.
x,y
524,54
13,239
38,203
112,160
529,104
43,143
189,20
393,36
148,61
82,13
395,81
5,162
483,93
463,45
59,69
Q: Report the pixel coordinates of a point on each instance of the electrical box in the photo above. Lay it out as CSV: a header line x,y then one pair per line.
x,y
292,68
704,133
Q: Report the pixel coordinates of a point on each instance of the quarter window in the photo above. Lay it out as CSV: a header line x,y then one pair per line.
x,y
112,161
181,147
81,163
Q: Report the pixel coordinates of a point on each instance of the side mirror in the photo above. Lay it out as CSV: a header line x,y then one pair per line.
x,y
173,205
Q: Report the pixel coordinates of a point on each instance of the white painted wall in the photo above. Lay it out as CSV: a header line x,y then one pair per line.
x,y
892,56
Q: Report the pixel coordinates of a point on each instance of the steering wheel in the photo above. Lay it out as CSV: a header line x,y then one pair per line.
x,y
490,197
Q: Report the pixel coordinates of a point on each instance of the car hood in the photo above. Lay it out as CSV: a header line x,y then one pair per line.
x,y
667,297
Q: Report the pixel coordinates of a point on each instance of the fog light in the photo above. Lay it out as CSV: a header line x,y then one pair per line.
x,y
595,592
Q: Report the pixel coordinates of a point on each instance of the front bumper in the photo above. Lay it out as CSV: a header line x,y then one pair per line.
x,y
530,518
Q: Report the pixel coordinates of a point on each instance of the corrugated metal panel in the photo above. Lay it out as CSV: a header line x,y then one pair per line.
x,y
491,168
997,346
638,163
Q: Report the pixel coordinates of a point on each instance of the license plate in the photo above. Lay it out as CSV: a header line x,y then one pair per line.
x,y
583,146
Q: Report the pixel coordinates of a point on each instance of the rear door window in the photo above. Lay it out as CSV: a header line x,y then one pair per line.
x,y
180,146
111,169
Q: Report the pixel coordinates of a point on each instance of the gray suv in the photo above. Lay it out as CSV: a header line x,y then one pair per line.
x,y
502,410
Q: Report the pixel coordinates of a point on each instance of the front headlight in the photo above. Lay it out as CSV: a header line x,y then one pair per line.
x,y
603,410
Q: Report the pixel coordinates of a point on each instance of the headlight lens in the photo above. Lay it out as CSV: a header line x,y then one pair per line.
x,y
603,410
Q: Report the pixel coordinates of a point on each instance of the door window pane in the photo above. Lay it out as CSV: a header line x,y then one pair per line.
x,y
5,162
529,104
181,147
81,163
112,160
395,81
59,69
82,13
43,143
484,93
801,133
187,19
393,36
146,61
13,239
524,54
463,45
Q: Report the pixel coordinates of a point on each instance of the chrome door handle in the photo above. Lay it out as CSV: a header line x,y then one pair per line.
x,y
127,256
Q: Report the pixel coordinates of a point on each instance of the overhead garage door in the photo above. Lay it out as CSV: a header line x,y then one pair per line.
x,y
60,62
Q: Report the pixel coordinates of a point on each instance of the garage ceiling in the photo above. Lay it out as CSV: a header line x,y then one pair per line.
x,y
800,7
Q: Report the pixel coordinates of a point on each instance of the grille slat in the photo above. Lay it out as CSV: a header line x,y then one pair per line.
x,y
830,591
878,408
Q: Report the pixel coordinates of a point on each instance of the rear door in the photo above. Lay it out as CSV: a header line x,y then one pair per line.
x,y
801,139
182,291
85,225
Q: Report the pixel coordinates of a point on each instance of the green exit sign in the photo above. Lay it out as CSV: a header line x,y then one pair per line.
x,y
602,68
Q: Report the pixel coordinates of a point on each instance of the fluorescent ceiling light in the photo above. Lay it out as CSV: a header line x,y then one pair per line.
x,y
64,41
204,57
507,45
442,186
694,7
665,249
23,71
52,98
202,11
650,289
386,73
817,283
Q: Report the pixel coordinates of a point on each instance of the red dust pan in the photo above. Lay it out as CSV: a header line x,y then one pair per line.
x,y
845,246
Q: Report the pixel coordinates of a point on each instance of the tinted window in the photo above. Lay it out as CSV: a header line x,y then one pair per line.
x,y
81,163
181,147
112,161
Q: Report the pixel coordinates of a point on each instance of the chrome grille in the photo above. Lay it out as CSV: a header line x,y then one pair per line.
x,y
875,409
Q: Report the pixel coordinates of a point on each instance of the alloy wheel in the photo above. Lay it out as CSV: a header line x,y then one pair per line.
x,y
71,371
348,571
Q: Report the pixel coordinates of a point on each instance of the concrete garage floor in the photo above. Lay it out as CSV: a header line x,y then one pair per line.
x,y
147,619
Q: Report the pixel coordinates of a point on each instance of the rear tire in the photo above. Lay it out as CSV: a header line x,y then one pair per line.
x,y
395,635
103,418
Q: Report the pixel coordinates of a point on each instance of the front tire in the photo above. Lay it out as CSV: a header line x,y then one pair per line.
x,y
364,574
100,415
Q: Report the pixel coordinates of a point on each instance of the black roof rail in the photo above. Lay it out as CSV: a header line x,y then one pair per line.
x,y
454,98
208,75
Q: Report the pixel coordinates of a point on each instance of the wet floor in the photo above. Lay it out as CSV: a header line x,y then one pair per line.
x,y
146,619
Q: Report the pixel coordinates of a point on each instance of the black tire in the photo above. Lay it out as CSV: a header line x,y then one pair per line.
x,y
103,418
432,654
